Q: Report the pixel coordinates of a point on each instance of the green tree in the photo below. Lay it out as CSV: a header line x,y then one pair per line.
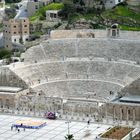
x,y
5,53
10,12
12,1
69,137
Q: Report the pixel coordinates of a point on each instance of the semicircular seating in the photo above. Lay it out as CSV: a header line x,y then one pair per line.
x,y
78,88
73,67
60,49
118,72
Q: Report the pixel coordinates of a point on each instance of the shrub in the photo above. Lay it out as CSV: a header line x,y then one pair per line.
x,y
5,53
41,13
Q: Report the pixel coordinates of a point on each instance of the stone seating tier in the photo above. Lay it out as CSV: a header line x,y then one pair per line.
x,y
79,88
118,72
60,49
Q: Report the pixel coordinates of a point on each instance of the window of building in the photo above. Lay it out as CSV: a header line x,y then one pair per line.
x,y
14,32
25,31
7,46
36,6
25,25
55,15
15,26
113,32
51,15
15,40
24,20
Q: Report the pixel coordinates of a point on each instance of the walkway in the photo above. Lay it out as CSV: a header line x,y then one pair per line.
x,y
55,130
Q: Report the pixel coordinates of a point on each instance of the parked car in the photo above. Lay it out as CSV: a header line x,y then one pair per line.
x,y
50,115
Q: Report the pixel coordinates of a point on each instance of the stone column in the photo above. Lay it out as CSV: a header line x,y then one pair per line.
x,y
113,113
106,112
62,107
121,113
134,115
127,115
4,102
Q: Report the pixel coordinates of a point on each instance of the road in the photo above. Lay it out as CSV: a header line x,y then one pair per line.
x,y
1,39
22,13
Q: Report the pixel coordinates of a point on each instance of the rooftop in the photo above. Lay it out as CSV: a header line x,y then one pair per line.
x,y
130,99
10,89
52,11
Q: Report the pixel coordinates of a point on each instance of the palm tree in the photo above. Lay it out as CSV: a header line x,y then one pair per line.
x,y
69,137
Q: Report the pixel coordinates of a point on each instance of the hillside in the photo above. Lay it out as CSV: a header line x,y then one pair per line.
x,y
127,17
41,13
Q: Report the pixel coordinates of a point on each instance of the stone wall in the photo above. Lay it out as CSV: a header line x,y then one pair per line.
x,y
133,2
133,88
8,78
61,49
56,34
124,111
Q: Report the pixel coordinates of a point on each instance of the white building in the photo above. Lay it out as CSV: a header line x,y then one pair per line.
x,y
111,3
52,15
15,31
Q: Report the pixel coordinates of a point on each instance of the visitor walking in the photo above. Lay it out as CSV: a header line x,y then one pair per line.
x,y
88,122
11,127
18,130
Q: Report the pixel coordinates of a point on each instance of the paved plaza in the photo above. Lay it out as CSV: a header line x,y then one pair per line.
x,y
54,130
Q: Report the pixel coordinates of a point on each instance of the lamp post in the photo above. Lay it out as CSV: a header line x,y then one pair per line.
x,y
68,122
69,136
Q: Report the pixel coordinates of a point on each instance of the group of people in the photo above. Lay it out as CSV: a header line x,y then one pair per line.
x,y
17,128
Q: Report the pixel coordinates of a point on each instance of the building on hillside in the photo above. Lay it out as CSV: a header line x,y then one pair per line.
x,y
98,4
15,31
34,5
111,3
133,2
52,15
2,9
113,31
2,3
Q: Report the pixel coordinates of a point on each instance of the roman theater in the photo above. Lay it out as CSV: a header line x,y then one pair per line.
x,y
77,73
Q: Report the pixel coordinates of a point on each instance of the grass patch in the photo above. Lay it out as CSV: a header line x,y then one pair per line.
x,y
41,13
123,27
121,11
127,17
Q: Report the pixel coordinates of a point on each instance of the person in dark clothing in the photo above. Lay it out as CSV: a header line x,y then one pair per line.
x,y
11,128
18,130
16,127
88,122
